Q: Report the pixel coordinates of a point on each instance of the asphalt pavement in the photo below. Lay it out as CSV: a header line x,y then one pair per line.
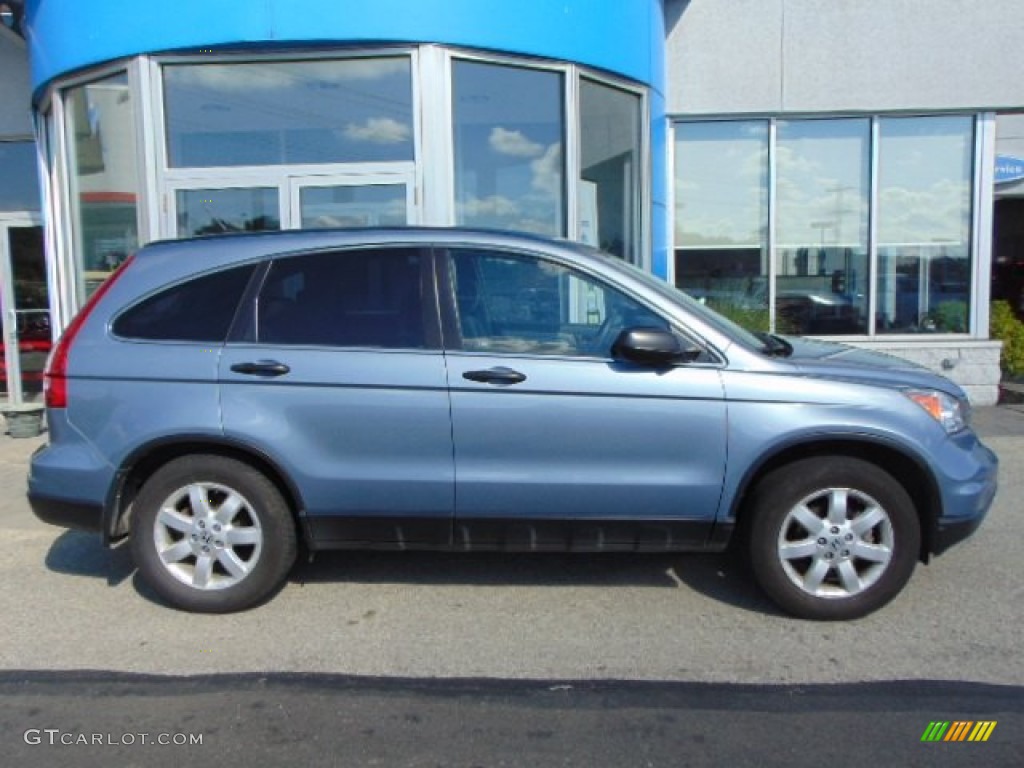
x,y
474,660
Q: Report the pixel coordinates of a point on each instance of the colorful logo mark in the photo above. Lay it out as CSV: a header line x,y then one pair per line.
x,y
958,730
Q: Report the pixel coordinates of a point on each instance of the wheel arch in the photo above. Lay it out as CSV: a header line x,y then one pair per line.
x,y
907,469
147,459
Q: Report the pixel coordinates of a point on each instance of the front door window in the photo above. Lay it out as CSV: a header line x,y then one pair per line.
x,y
507,303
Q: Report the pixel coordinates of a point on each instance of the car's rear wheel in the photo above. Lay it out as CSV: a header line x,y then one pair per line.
x,y
832,538
212,534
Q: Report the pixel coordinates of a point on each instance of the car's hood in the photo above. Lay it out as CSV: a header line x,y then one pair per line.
x,y
841,361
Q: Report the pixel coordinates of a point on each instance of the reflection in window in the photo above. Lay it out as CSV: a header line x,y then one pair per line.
x,y
353,205
221,211
924,224
269,113
100,136
822,279
509,165
721,186
609,205
20,188
518,305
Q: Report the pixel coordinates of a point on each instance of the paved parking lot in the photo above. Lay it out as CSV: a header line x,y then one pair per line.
x,y
69,604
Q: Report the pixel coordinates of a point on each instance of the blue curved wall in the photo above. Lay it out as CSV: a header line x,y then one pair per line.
x,y
623,36
626,37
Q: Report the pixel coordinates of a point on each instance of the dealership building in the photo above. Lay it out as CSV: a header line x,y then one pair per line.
x,y
848,171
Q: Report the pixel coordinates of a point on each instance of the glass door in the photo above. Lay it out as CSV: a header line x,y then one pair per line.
x,y
215,205
25,311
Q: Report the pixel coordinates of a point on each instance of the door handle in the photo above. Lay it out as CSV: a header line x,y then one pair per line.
x,y
499,375
261,368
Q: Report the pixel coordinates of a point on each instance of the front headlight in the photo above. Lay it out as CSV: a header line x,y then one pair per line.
x,y
950,412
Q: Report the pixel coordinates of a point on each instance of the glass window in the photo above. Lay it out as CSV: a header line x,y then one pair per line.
x,y
359,298
509,163
353,205
269,113
721,184
924,224
520,305
198,310
20,188
220,211
822,193
610,170
100,135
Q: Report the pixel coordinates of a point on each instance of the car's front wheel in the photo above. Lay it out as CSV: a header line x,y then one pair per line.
x,y
212,534
832,538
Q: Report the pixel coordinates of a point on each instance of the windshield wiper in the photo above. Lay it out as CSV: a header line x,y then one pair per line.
x,y
774,346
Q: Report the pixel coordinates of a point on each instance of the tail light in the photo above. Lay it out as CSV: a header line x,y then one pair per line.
x,y
55,377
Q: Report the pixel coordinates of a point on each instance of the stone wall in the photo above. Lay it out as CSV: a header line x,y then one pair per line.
x,y
974,365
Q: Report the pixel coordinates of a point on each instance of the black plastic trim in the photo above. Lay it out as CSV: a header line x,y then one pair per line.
x,y
67,514
514,534
946,534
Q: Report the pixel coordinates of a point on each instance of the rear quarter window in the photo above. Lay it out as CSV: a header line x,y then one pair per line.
x,y
200,309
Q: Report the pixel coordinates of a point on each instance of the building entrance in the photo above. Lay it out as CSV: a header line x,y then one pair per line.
x,y
24,309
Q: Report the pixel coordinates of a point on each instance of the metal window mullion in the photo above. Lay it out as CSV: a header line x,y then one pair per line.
x,y
873,282
148,134
572,165
983,203
46,162
435,72
414,190
69,276
772,198
670,201
643,191
164,205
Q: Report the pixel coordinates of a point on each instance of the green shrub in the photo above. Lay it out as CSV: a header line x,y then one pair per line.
x,y
1004,326
751,318
950,317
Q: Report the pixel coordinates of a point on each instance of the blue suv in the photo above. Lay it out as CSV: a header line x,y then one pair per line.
x,y
223,401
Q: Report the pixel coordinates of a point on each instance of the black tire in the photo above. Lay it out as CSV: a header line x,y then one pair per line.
x,y
231,555
855,560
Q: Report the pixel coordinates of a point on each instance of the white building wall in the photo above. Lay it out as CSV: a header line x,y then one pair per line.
x,y
818,57
793,56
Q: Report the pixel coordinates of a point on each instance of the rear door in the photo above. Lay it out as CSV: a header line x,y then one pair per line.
x,y
338,375
557,446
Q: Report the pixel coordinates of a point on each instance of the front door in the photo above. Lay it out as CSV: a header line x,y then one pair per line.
x,y
557,446
24,308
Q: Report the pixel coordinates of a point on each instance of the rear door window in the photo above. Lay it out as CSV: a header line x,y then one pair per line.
x,y
200,309
368,297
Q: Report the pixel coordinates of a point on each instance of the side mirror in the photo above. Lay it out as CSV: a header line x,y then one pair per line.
x,y
653,346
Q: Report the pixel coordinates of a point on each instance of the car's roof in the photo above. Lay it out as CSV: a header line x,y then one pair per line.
x,y
257,244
